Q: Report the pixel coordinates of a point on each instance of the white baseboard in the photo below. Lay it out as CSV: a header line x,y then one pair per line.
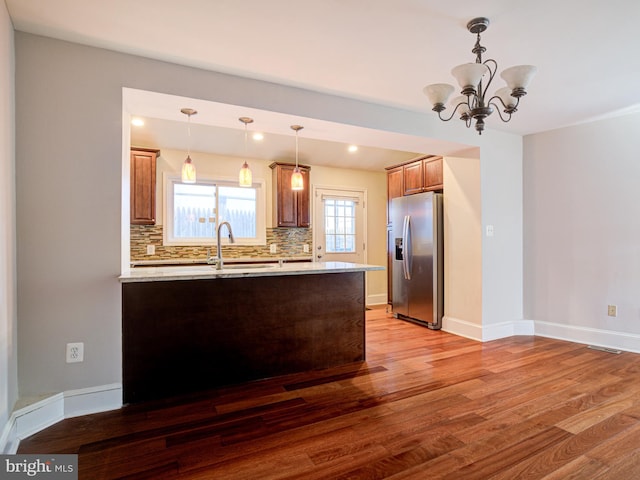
x,y
628,342
86,401
377,299
462,328
486,333
34,418
9,437
31,419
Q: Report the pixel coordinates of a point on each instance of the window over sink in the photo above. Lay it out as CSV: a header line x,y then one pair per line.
x,y
193,211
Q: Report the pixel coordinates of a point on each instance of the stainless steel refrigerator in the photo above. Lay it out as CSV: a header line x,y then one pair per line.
x,y
418,263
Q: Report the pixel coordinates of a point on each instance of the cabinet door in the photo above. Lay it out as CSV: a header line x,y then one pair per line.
x,y
395,187
433,174
291,208
390,255
143,188
287,199
303,206
413,178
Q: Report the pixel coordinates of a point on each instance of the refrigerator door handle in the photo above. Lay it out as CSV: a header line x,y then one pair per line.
x,y
406,243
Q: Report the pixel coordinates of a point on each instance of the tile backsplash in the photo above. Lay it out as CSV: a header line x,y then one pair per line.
x,y
289,241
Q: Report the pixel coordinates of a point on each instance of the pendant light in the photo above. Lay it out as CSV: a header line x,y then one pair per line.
x,y
297,182
244,177
188,168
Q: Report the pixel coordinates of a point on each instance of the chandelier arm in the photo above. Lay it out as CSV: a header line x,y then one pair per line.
x,y
492,73
505,120
452,113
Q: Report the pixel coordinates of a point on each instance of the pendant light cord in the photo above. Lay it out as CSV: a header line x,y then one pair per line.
x,y
296,148
245,141
189,135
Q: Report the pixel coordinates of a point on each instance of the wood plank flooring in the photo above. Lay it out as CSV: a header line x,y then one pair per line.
x,y
425,405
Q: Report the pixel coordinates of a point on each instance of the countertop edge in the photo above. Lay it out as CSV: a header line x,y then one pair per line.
x,y
202,272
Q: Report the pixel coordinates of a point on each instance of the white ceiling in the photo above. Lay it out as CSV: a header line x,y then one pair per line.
x,y
381,51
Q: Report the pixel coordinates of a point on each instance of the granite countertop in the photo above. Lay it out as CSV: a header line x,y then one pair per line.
x,y
231,260
195,272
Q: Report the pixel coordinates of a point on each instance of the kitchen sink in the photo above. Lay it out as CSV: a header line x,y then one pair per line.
x,y
248,266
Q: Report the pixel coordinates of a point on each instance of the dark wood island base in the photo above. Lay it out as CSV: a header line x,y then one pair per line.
x,y
182,336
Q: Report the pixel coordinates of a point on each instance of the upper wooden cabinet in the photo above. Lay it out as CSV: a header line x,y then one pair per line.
x,y
413,177
395,186
432,173
290,208
420,175
143,186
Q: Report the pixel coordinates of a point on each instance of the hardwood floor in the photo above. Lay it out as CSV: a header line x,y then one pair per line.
x,y
425,405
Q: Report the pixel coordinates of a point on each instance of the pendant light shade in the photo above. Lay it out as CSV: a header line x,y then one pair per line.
x,y
245,178
188,171
188,168
297,182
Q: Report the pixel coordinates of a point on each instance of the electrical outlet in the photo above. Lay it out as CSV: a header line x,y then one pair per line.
x,y
305,248
489,230
151,249
75,352
273,248
612,310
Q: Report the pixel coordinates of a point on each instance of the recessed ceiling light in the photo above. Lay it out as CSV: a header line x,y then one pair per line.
x,y
137,122
353,148
258,136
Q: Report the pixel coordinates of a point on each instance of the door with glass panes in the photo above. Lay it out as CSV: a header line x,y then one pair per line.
x,y
339,225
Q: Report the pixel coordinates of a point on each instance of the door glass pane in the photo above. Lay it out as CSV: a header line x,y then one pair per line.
x,y
340,226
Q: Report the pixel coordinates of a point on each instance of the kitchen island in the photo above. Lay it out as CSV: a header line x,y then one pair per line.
x,y
193,328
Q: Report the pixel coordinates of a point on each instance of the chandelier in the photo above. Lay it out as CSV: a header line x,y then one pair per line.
x,y
473,103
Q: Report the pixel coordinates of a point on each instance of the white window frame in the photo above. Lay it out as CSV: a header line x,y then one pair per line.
x,y
169,180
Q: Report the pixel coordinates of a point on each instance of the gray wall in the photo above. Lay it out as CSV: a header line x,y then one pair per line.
x,y
68,153
8,338
582,231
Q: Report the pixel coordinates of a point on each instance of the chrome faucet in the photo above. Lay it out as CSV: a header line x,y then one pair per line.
x,y
218,260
